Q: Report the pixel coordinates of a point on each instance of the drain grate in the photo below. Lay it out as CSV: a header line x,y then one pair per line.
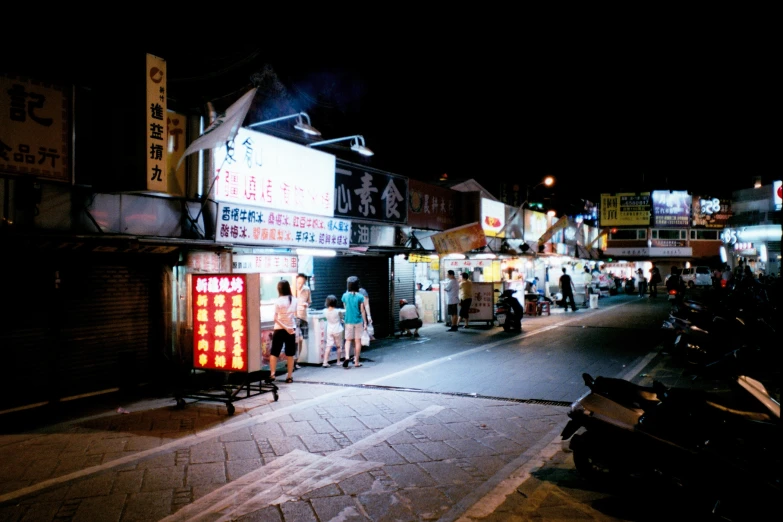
x,y
452,394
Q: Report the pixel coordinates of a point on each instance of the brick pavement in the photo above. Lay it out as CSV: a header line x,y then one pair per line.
x,y
319,453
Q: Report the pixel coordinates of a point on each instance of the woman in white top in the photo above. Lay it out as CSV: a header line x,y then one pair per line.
x,y
284,332
303,302
334,329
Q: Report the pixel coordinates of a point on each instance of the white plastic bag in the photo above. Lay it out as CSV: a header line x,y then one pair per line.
x,y
370,330
365,338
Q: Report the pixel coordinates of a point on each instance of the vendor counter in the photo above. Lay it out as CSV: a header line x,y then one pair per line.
x,y
314,346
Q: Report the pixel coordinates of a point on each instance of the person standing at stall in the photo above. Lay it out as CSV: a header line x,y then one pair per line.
x,y
655,279
303,300
641,282
465,298
355,321
452,299
588,286
284,334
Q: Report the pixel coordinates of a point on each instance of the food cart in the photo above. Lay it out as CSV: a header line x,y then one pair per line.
x,y
226,338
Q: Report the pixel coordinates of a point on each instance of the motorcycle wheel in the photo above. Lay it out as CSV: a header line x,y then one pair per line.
x,y
589,461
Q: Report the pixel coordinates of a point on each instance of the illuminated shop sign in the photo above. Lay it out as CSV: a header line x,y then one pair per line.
x,y
261,170
265,264
264,226
370,195
220,322
711,212
671,208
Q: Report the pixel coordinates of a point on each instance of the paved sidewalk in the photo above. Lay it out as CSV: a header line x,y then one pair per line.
x,y
322,452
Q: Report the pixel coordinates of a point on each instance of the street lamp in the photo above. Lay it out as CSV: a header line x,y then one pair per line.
x,y
300,125
357,144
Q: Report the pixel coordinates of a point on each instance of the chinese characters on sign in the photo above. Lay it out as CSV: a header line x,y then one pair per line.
x,y
261,170
34,129
264,264
375,235
431,207
671,208
370,196
625,209
265,226
219,322
157,148
711,212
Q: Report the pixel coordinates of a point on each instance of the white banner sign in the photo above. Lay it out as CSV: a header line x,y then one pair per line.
x,y
261,170
264,226
650,252
451,264
249,263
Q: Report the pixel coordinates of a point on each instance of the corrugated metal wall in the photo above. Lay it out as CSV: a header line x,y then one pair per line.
x,y
331,274
404,287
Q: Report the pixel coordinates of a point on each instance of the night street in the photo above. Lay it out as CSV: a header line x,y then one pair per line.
x,y
399,439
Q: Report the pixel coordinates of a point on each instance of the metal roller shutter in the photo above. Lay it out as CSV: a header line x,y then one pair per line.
x,y
331,274
404,286
106,334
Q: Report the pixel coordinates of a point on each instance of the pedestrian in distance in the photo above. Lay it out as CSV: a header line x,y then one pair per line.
x,y
567,289
465,298
452,299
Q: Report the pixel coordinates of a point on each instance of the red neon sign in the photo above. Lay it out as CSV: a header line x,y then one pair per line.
x,y
220,322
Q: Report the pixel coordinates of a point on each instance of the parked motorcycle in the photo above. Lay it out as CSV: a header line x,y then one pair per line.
x,y
720,453
508,311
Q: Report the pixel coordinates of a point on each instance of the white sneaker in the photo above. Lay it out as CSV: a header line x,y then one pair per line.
x,y
325,365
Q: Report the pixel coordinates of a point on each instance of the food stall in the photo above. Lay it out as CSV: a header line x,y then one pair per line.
x,y
226,340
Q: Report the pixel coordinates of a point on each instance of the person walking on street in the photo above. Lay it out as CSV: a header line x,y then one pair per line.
x,y
465,298
588,286
655,279
355,321
367,309
567,289
303,302
452,299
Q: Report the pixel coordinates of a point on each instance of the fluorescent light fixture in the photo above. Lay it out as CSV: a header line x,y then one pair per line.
x,y
300,124
454,256
357,144
434,256
484,256
316,252
763,253
723,257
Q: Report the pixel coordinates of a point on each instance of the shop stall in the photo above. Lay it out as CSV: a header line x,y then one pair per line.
x,y
225,314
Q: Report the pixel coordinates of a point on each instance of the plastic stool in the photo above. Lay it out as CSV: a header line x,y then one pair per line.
x,y
531,308
544,307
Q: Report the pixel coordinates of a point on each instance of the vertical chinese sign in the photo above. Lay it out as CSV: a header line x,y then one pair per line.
x,y
157,149
220,322
34,129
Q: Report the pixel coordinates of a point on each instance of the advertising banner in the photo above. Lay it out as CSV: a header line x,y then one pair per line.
x,y
220,322
34,129
263,226
460,239
777,195
649,251
370,195
176,125
559,225
493,217
711,212
156,147
625,209
261,170
431,207
671,208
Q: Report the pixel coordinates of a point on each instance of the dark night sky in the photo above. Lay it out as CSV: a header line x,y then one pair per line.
x,y
601,111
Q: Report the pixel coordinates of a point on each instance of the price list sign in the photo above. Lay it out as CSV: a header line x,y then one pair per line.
x,y
220,322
